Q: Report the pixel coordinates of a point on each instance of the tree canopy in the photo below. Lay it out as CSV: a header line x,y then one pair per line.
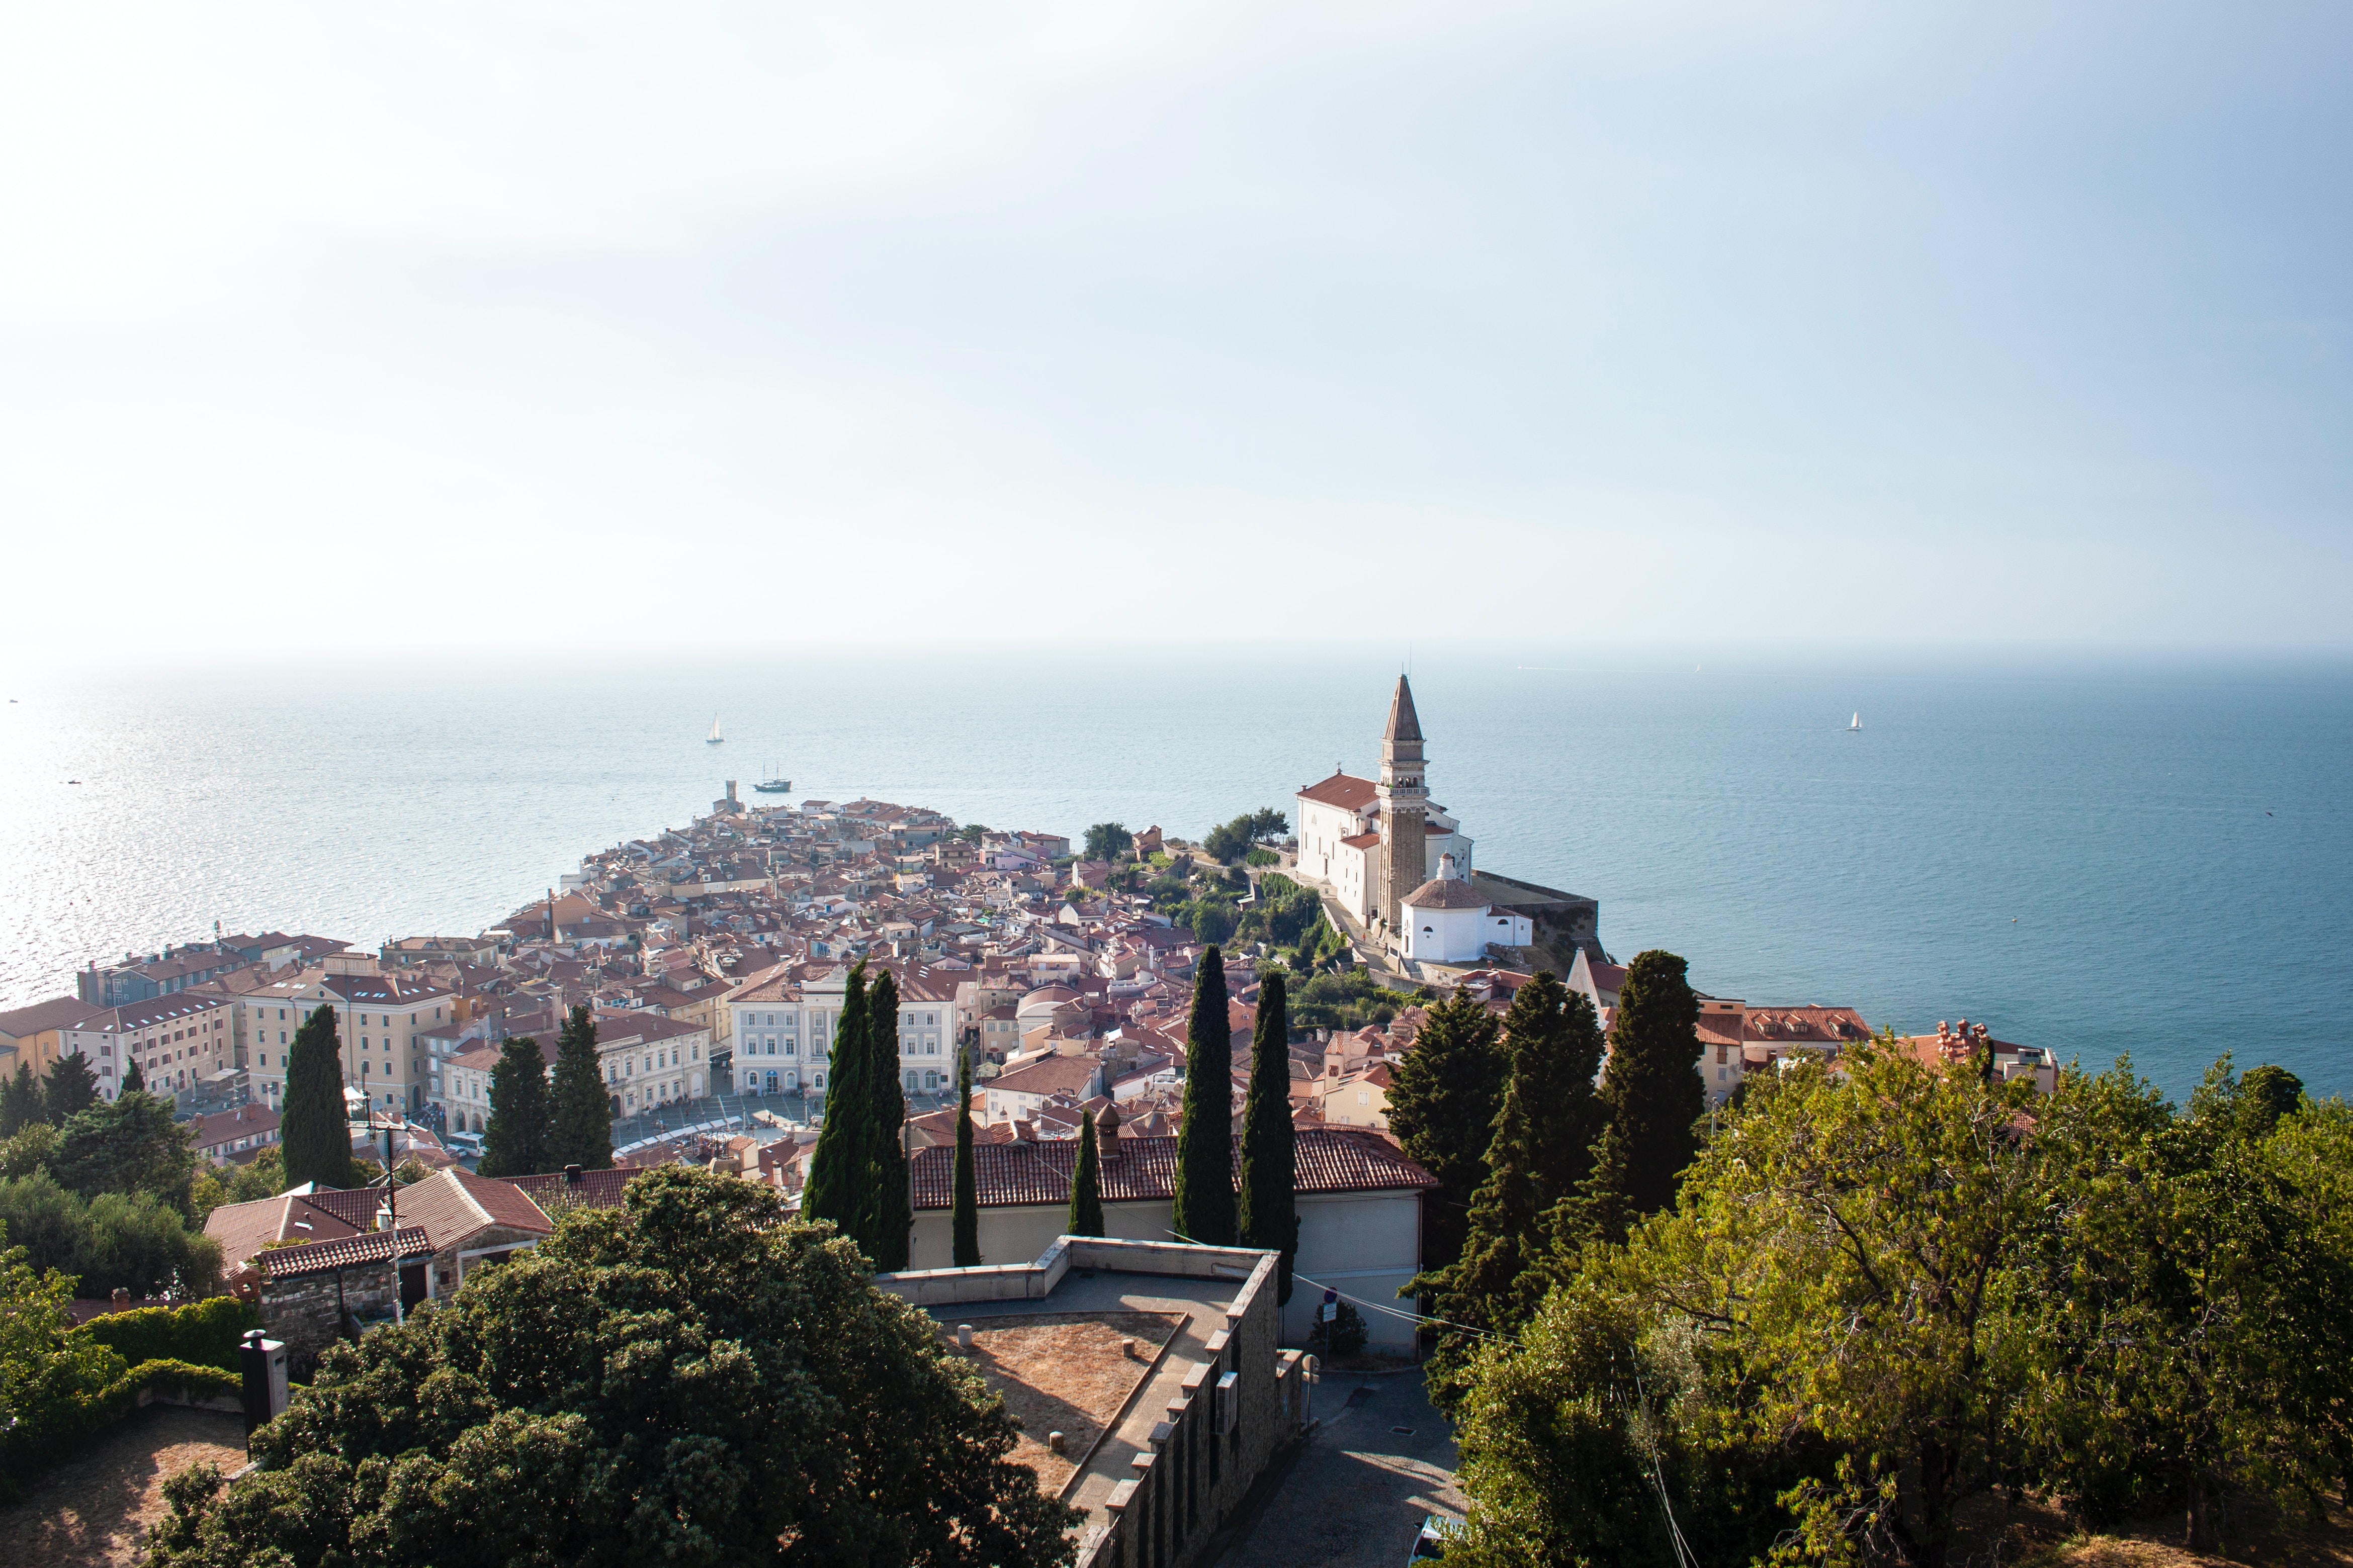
x,y
515,1143
1268,1214
1108,841
1204,1209
313,1127
1886,1288
1651,1095
689,1379
1443,1096
580,1108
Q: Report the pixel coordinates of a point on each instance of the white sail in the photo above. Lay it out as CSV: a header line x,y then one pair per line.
x,y
714,736
1854,724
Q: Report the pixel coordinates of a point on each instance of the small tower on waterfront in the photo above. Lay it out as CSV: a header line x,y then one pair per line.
x,y
1402,798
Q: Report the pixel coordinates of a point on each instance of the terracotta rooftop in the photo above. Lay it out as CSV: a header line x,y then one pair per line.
x,y
1326,1161
324,1257
1346,790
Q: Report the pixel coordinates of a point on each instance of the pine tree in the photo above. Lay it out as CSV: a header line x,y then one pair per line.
x,y
1443,1096
134,1080
581,1110
888,1212
71,1087
20,1101
1086,1185
1204,1210
964,1223
313,1128
1268,1214
515,1142
1651,1099
835,1178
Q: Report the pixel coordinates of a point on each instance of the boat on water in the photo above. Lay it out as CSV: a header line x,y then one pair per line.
x,y
776,784
1854,724
714,738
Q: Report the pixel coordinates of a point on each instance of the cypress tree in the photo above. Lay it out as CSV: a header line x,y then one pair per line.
x,y
20,1101
888,1215
515,1142
835,1179
133,1081
581,1115
313,1128
1443,1096
1086,1185
1651,1099
966,1219
1269,1216
1204,1210
73,1087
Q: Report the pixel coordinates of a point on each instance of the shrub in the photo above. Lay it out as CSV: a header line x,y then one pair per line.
x,y
203,1333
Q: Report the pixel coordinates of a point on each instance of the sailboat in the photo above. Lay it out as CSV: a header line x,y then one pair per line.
x,y
1852,725
775,783
714,738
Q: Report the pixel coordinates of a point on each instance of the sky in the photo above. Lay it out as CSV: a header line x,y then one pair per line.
x,y
374,331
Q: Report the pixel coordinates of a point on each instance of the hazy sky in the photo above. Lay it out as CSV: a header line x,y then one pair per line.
x,y
364,329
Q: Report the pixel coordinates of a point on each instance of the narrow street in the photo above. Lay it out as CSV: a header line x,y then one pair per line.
x,y
1355,1492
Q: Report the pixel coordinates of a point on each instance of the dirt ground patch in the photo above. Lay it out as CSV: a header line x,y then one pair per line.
x,y
1065,1372
2255,1534
96,1507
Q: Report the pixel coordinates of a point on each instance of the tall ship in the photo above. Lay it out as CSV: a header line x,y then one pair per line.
x,y
775,783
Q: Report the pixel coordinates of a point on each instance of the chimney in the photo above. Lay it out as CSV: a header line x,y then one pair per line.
x,y
1107,1133
120,1300
571,1175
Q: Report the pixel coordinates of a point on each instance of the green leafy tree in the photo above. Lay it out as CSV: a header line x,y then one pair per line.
x,y
693,1378
2179,1326
580,1128
1204,1210
1651,1096
1268,1215
965,1219
133,1144
1443,1096
20,1101
888,1216
1539,1156
71,1087
133,1241
1086,1185
1108,841
313,1129
515,1143
837,1165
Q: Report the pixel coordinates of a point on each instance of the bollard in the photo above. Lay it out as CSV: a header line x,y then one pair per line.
x,y
1054,1441
963,1336
1127,1348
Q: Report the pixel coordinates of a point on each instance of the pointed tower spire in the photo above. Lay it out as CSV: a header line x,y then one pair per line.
x,y
1405,724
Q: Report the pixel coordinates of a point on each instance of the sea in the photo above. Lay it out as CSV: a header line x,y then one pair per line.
x,y
2103,855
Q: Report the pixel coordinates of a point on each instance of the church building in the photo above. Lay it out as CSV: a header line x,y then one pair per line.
x,y
1383,849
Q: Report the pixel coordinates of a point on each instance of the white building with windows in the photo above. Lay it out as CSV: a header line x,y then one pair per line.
x,y
784,1021
1449,922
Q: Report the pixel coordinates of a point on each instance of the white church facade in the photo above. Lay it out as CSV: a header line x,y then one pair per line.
x,y
1399,864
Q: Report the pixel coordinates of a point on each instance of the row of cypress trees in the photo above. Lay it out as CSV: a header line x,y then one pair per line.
x,y
534,1126
1531,1159
540,1121
1208,1208
857,1173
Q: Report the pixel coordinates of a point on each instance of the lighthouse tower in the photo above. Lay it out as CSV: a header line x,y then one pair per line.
x,y
1402,800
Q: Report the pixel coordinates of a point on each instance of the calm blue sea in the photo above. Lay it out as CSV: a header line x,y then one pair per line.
x,y
2101,856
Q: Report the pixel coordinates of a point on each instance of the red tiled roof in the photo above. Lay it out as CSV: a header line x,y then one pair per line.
x,y
552,1194
1326,1160
323,1256
1343,790
1361,840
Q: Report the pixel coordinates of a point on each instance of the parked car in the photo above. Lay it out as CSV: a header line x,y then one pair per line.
x,y
1430,1543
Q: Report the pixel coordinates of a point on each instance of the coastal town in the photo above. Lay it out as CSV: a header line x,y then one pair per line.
x,y
716,961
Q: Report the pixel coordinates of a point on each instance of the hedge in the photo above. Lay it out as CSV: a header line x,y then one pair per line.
x,y
206,1332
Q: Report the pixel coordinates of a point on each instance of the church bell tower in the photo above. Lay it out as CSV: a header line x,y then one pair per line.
x,y
1403,799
